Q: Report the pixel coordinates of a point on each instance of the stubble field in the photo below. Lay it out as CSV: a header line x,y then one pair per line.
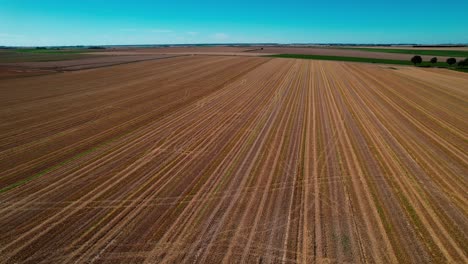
x,y
204,159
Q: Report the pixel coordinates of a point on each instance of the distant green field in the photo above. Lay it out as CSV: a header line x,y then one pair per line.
x,y
356,59
444,53
35,55
338,58
52,51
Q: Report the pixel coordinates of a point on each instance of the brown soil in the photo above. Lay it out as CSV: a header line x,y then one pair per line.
x,y
81,64
11,71
204,159
215,49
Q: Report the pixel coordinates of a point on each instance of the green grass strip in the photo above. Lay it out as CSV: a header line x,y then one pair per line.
x,y
444,53
461,69
52,51
340,58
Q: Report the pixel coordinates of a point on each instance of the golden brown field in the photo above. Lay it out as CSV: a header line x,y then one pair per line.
x,y
210,159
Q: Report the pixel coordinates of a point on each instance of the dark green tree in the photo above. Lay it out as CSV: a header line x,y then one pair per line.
x,y
463,63
451,61
434,60
416,59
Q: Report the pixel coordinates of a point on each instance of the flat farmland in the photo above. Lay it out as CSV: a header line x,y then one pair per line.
x,y
360,52
210,159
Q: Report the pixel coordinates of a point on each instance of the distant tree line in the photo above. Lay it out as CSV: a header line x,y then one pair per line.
x,y
96,47
463,63
70,47
48,48
450,61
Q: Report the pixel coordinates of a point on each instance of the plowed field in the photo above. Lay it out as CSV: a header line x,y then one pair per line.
x,y
235,159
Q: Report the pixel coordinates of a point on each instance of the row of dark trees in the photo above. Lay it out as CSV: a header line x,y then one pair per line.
x,y
450,61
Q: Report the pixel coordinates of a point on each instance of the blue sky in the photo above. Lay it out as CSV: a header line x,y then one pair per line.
x,y
101,22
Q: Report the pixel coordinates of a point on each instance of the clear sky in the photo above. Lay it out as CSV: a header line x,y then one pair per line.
x,y
105,22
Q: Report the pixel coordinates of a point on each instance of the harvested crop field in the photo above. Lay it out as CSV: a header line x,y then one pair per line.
x,y
204,159
77,64
182,49
11,71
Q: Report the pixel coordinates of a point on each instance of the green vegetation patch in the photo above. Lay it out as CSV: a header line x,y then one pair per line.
x,y
424,64
52,51
444,53
42,54
339,58
461,69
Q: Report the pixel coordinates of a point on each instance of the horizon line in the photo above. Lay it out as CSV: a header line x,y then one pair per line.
x,y
248,43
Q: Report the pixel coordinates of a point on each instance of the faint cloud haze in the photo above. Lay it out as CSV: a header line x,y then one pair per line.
x,y
221,36
157,30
